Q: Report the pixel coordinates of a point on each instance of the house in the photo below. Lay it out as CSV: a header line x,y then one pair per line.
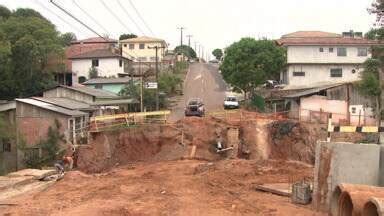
x,y
34,118
8,148
104,101
140,48
316,58
107,63
114,85
343,101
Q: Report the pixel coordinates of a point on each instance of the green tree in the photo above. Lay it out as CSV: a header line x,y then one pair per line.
x,y
369,85
218,53
5,13
127,36
27,41
377,8
249,63
186,50
93,73
169,82
67,38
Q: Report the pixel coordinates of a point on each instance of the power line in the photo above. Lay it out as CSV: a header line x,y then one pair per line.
x,y
75,18
59,17
141,18
90,17
114,15
130,17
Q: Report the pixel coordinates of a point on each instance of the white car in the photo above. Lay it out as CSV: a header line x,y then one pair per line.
x,y
230,102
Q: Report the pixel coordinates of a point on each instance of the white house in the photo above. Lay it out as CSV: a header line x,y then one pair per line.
x,y
142,48
107,63
317,58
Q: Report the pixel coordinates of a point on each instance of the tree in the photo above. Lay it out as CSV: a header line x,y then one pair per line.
x,y
27,41
169,82
5,13
127,36
218,53
369,85
93,73
377,8
249,63
186,50
67,38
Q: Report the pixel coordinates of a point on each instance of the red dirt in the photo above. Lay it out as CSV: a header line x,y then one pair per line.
x,y
169,188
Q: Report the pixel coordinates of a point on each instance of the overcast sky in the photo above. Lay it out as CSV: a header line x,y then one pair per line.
x,y
213,23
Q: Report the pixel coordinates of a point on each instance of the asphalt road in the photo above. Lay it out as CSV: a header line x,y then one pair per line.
x,y
203,81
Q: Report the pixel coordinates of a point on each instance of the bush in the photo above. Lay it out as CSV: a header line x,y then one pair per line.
x,y
168,83
257,102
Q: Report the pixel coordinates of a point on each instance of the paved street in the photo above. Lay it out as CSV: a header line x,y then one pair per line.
x,y
203,81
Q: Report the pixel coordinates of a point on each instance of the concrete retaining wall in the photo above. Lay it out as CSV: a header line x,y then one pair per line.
x,y
339,162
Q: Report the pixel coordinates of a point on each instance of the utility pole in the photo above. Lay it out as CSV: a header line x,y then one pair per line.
x,y
141,88
189,40
157,73
181,35
195,46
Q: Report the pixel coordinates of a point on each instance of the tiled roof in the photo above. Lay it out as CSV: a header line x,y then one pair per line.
x,y
143,39
99,53
321,38
299,34
95,40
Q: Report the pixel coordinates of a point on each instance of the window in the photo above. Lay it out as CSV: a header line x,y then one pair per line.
x,y
120,63
131,46
143,59
32,154
153,59
98,86
95,62
362,51
341,51
321,49
298,73
331,49
125,45
336,72
82,79
6,145
141,46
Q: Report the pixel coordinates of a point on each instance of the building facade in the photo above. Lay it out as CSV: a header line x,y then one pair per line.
x,y
321,58
106,62
141,48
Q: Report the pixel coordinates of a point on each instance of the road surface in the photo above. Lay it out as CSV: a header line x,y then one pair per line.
x,y
203,81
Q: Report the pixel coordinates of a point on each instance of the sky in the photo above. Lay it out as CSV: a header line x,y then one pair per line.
x,y
212,23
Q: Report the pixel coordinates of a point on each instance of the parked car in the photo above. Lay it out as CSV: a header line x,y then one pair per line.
x,y
195,107
230,102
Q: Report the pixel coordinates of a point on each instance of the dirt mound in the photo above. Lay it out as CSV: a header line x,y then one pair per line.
x,y
292,140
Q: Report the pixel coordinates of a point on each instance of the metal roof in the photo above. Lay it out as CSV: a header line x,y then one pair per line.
x,y
115,102
108,80
8,105
66,103
312,91
52,107
93,92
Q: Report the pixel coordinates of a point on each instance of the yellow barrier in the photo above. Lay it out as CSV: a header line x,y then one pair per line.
x,y
128,115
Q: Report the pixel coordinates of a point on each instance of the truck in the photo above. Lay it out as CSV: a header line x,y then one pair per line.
x,y
231,102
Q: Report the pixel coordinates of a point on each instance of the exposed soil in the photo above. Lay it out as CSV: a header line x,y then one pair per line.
x,y
169,188
148,170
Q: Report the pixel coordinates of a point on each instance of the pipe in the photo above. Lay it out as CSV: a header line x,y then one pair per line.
x,y
352,198
374,207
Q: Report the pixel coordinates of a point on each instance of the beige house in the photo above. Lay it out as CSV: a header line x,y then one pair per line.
x,y
138,48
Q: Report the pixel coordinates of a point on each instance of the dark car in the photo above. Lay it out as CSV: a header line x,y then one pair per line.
x,y
195,107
